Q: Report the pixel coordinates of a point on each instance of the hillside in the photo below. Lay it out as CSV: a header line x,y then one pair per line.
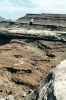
x,y
2,19
25,61
27,54
57,21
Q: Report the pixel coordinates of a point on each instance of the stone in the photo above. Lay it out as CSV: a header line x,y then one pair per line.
x,y
54,87
10,97
2,99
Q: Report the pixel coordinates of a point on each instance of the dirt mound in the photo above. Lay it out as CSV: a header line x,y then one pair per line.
x,y
24,65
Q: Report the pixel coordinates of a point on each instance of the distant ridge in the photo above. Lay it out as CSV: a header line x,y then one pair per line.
x,y
44,19
2,19
43,15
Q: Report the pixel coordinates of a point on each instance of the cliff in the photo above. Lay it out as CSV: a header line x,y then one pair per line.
x,y
54,86
45,19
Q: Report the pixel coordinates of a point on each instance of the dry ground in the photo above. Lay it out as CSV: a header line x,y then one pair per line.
x,y
23,65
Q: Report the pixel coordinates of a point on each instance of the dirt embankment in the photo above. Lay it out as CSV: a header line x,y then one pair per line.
x,y
24,62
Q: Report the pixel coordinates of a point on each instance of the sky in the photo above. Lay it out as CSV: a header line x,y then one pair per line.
x,y
13,9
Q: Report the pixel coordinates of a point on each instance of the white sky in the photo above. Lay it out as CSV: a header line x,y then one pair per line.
x,y
16,8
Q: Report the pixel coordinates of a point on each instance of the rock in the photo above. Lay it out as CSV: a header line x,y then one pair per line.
x,y
10,97
2,99
54,87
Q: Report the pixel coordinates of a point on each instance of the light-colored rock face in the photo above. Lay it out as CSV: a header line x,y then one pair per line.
x,y
54,87
9,97
2,99
60,81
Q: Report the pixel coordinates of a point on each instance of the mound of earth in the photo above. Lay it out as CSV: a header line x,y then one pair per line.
x,y
24,63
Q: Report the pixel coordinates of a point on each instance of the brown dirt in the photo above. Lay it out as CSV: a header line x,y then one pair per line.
x,y
23,66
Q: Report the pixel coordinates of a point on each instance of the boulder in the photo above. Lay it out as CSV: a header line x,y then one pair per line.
x,y
54,87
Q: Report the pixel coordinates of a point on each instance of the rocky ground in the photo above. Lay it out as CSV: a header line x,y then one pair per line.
x,y
54,86
25,62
